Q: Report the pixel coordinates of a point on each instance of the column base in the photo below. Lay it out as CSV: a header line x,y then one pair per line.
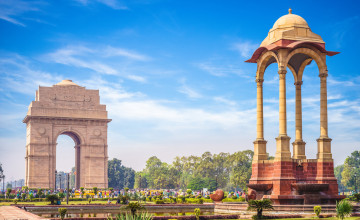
x,y
299,149
260,150
324,149
283,148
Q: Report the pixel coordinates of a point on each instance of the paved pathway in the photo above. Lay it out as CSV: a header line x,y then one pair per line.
x,y
13,212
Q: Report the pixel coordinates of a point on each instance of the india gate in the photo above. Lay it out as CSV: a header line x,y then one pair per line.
x,y
292,179
66,109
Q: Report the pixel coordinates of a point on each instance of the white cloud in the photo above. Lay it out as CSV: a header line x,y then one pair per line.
x,y
18,74
114,4
11,10
225,101
136,78
222,70
333,81
97,59
245,48
191,93
111,51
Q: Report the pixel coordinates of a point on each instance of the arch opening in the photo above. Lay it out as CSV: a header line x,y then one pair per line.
x,y
67,161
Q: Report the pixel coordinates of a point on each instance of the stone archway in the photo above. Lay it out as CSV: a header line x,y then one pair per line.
x,y
69,109
75,137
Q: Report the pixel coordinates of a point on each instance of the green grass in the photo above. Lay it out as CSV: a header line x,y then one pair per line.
x,y
333,218
62,203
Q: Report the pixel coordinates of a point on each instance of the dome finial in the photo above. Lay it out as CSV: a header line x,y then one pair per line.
x,y
290,11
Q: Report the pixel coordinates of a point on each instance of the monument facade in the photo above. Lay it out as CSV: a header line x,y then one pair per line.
x,y
292,179
66,109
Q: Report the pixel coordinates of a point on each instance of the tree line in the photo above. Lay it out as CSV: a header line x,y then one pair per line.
x,y
211,171
348,174
224,170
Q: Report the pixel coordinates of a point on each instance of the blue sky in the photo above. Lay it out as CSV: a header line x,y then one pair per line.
x,y
172,74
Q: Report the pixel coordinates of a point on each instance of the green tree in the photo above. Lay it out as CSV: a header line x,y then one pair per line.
x,y
351,167
337,171
208,171
157,173
8,186
1,170
140,180
259,206
241,168
119,175
343,209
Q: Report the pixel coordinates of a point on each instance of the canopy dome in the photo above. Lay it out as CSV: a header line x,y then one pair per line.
x,y
291,27
290,20
66,82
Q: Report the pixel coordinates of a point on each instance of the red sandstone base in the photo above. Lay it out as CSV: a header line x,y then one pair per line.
x,y
294,182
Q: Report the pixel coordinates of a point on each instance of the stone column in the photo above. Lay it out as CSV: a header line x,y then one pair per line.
x,y
298,144
260,143
324,142
77,166
283,141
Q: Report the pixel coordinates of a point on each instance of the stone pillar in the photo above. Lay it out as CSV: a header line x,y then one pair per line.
x,y
298,144
282,141
77,167
260,143
324,142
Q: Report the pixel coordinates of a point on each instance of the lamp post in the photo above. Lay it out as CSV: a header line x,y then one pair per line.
x,y
3,179
67,191
60,180
355,183
55,179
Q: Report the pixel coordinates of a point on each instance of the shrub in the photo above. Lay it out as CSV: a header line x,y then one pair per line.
x,y
183,199
61,195
8,191
356,197
23,196
39,193
62,212
201,201
159,201
259,206
317,210
140,216
95,189
197,212
126,189
134,206
16,201
52,198
240,199
343,209
173,199
234,197
189,191
89,200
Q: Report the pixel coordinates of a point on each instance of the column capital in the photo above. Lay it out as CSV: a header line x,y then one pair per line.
x,y
282,73
259,82
323,75
298,84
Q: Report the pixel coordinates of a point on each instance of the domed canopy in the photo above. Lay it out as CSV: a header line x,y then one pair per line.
x,y
66,82
290,20
291,27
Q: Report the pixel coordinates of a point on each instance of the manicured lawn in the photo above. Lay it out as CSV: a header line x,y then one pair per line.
x,y
333,218
62,203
